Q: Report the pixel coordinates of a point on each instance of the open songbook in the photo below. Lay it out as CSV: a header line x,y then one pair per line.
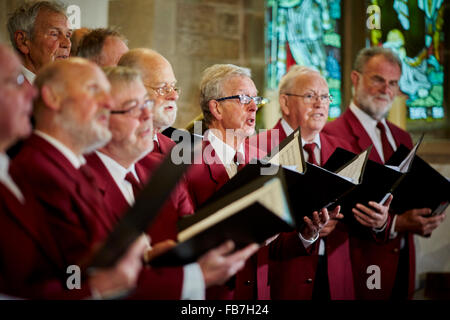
x,y
310,187
379,181
253,213
422,187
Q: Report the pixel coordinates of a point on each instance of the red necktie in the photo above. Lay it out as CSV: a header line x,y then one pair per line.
x,y
134,183
387,148
239,160
309,148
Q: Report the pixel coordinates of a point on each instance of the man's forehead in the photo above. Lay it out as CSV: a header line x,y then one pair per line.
x,y
381,66
311,80
51,19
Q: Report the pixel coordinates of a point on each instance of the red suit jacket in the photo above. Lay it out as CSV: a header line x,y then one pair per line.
x,y
31,263
165,144
76,216
177,206
204,178
292,271
366,252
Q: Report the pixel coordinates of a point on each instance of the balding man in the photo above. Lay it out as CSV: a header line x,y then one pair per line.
x,y
40,32
103,46
32,264
160,81
75,39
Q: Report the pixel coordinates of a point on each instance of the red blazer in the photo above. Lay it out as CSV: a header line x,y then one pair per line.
x,y
31,263
204,178
165,144
74,206
365,251
165,226
291,270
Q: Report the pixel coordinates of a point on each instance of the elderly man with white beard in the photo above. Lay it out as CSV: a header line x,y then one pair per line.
x,y
160,82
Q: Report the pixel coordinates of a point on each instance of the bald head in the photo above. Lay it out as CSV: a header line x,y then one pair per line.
x,y
73,104
159,80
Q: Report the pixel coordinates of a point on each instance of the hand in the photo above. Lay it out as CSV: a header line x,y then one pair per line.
x,y
375,216
417,221
158,249
268,241
335,216
123,276
218,265
311,228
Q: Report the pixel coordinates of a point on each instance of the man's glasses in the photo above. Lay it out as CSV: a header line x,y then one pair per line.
x,y
163,91
243,99
134,109
18,80
312,97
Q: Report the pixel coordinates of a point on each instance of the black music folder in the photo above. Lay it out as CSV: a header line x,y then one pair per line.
x,y
379,181
422,187
310,187
252,213
144,212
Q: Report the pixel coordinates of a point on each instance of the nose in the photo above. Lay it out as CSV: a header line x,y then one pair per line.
x,y
65,42
31,90
106,101
252,107
146,114
172,96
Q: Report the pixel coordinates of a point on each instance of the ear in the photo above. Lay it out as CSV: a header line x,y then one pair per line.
x,y
50,97
355,77
215,109
283,100
22,42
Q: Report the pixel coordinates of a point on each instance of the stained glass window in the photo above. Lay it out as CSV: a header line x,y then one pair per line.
x,y
414,30
305,32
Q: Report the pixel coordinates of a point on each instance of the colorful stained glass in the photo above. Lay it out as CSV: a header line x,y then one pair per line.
x,y
305,32
413,29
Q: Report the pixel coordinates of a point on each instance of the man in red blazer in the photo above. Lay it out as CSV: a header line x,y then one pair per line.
x,y
228,98
327,274
31,262
121,176
375,79
160,81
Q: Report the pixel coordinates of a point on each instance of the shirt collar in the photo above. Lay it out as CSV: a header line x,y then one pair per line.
x,y
30,76
155,138
364,118
316,140
117,171
75,160
286,127
224,151
4,164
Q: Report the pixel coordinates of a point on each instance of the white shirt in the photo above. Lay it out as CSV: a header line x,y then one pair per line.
x,y
193,282
6,179
30,76
370,125
225,152
76,160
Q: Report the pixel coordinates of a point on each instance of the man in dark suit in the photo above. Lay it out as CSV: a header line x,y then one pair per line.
x,y
375,78
327,274
31,262
161,84
121,176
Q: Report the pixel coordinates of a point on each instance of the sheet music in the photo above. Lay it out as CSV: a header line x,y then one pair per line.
x,y
354,169
270,195
289,155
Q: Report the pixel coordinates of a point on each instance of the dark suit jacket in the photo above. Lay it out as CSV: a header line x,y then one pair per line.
x,y
31,263
77,215
292,272
366,252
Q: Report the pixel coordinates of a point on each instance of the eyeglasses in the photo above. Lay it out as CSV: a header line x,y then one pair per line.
x,y
18,80
163,91
134,109
243,99
310,97
379,82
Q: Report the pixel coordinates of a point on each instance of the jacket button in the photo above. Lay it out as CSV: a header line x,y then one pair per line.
x,y
395,250
309,280
248,282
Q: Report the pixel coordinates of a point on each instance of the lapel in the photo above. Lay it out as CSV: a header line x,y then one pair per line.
x,y
360,135
86,190
29,216
217,171
165,143
326,148
281,132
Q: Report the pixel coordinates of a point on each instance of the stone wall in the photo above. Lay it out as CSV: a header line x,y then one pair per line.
x,y
194,34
